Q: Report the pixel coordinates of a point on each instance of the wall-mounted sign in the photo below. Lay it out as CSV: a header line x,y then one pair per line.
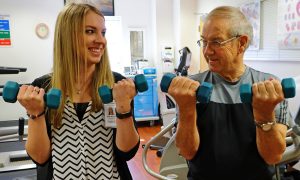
x,y
5,39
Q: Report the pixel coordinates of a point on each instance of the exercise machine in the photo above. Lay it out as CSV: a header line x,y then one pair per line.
x,y
172,165
11,70
167,104
14,161
292,152
185,61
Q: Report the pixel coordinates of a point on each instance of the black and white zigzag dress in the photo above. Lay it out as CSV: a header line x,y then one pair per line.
x,y
83,149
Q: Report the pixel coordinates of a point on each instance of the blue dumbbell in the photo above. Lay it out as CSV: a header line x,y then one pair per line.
x,y
106,93
288,87
203,93
11,90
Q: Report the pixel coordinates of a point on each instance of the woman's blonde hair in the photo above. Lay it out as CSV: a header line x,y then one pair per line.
x,y
68,56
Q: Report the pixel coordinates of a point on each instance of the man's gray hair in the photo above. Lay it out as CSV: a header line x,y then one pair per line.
x,y
239,24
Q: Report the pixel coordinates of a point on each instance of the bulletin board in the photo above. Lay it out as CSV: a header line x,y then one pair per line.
x,y
269,49
252,12
289,24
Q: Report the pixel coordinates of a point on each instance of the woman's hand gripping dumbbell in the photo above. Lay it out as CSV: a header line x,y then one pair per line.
x,y
288,88
203,92
106,93
11,90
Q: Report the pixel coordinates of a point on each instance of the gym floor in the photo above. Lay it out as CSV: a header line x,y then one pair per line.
x,y
136,165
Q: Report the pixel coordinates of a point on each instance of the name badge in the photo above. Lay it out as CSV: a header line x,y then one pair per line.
x,y
110,115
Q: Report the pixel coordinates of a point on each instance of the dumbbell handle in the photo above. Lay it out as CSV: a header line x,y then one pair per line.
x,y
288,87
203,93
11,90
105,92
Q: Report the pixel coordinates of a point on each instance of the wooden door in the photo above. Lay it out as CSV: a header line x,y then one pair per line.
x,y
203,63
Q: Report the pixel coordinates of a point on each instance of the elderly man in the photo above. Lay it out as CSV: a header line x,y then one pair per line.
x,y
225,138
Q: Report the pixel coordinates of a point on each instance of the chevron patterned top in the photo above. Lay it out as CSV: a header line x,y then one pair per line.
x,y
83,150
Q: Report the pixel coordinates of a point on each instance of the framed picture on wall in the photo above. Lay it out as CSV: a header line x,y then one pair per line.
x,y
105,6
252,11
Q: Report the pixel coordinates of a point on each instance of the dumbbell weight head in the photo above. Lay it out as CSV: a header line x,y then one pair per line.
x,y
52,98
106,94
166,81
246,93
204,92
288,87
10,91
140,83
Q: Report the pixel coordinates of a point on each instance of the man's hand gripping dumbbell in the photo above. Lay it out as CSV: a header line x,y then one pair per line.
x,y
265,95
181,88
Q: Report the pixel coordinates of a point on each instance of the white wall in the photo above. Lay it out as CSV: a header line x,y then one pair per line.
x,y
27,49
136,14
176,26
164,29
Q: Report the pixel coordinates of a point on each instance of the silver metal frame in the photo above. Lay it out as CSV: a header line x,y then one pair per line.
x,y
17,165
147,146
292,151
8,134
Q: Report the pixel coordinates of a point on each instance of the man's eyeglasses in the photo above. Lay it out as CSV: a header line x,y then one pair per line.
x,y
214,44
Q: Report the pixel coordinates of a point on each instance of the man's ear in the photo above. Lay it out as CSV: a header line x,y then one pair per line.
x,y
244,40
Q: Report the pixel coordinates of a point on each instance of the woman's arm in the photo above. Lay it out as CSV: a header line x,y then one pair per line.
x,y
127,136
38,143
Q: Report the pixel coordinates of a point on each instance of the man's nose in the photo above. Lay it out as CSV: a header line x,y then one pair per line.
x,y
207,50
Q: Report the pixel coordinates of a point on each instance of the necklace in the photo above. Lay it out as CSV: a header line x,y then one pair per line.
x,y
83,85
79,90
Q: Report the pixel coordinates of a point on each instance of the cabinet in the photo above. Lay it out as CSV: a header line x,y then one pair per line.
x,y
146,103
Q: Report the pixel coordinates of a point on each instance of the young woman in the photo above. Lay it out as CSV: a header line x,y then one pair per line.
x,y
73,141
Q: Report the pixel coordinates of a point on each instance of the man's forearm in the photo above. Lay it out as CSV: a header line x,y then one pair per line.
x,y
187,136
271,145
